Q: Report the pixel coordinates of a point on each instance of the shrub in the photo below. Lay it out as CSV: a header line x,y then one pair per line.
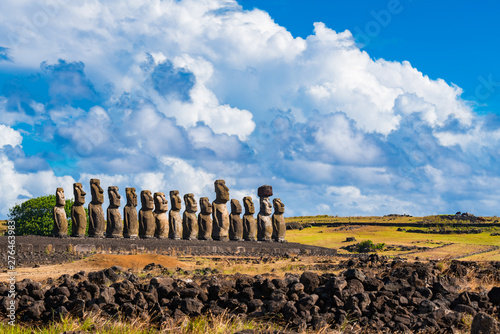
x,y
35,215
368,246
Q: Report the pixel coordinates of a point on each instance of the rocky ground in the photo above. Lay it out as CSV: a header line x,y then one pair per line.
x,y
367,295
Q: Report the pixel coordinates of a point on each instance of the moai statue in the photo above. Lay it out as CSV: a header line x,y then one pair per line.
x,y
161,218
174,216
114,228
249,222
147,223
189,219
60,220
235,222
264,221
78,216
205,219
97,224
130,222
279,226
220,214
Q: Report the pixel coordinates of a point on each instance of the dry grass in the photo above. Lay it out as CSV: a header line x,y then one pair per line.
x,y
92,323
474,283
276,267
97,262
451,251
137,261
273,266
487,256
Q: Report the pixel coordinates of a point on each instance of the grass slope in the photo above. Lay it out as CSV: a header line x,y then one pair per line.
x,y
463,246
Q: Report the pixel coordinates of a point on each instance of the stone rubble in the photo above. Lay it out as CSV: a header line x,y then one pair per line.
x,y
399,297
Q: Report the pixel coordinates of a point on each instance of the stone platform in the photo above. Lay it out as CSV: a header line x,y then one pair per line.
x,y
29,245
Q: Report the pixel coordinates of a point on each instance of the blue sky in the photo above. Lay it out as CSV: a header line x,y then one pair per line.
x,y
452,40
346,108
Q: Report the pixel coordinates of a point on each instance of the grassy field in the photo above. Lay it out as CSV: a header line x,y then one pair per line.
x,y
463,246
367,219
374,219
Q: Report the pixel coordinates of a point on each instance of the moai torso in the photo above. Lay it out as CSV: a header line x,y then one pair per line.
x,y
114,227
189,219
249,222
279,226
78,216
59,214
161,219
130,222
220,214
147,224
264,221
235,222
174,216
97,224
205,220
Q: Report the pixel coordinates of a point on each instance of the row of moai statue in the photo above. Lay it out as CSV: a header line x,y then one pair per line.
x,y
213,222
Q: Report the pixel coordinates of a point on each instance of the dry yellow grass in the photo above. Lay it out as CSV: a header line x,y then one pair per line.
x,y
135,262
93,323
487,256
275,266
451,251
97,262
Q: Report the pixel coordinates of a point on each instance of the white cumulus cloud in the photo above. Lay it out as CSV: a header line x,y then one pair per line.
x,y
166,95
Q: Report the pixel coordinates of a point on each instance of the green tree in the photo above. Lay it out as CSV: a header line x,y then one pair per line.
x,y
35,215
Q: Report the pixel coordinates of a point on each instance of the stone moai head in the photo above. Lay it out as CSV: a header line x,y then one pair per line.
x,y
60,198
221,191
147,200
175,200
265,191
266,208
161,202
249,207
236,207
265,205
279,207
79,194
114,196
205,206
190,203
131,196
96,191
